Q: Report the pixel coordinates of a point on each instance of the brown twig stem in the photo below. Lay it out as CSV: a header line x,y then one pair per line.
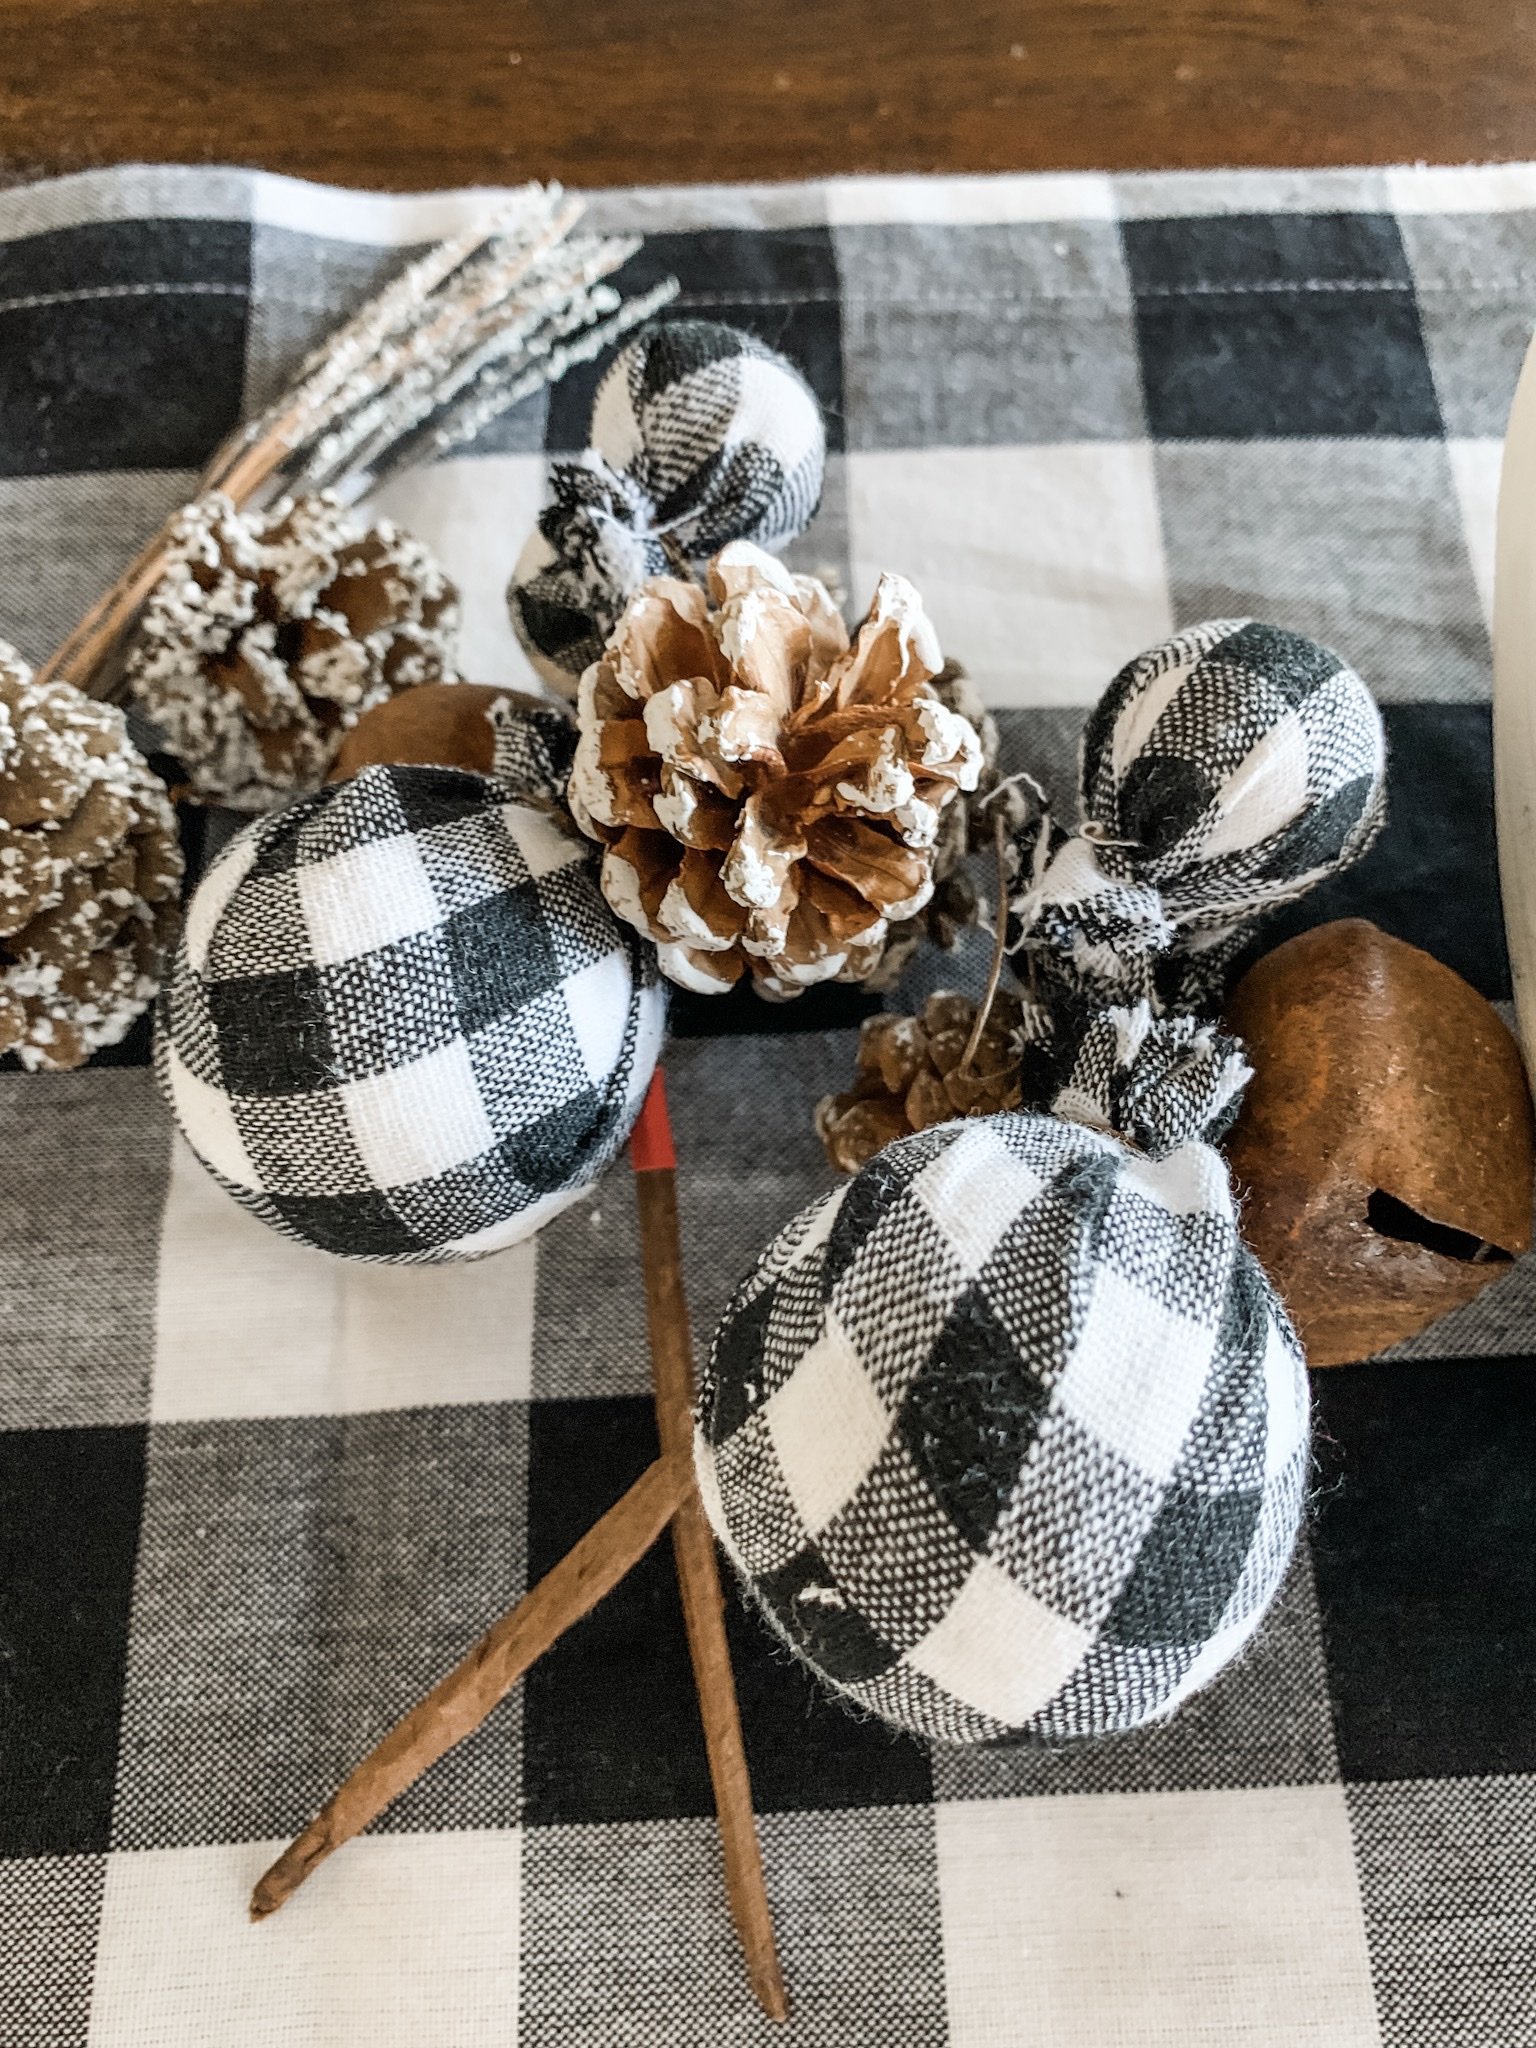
x,y
460,1702
999,940
693,1545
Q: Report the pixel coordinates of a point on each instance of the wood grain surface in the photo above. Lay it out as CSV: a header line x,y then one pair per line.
x,y
412,93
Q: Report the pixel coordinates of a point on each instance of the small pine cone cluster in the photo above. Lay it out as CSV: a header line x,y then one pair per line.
x,y
913,1072
769,795
269,635
90,868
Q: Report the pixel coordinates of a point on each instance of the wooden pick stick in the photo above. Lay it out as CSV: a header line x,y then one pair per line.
x,y
460,1702
654,1160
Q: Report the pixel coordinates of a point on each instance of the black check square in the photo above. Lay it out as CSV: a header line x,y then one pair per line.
x,y
501,956
122,345
68,1535
611,1720
274,1031
1267,326
1426,1578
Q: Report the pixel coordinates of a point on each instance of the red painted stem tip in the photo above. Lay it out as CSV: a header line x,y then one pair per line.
x,y
651,1149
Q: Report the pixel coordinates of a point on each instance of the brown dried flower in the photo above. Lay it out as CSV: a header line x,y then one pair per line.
x,y
269,634
90,867
913,1072
768,795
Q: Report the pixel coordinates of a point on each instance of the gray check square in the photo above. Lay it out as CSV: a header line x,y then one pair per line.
x,y
64,538
1474,276
77,1330
50,1907
1074,1567
931,1557
300,1585
982,336
1447,1879
1358,543
626,1940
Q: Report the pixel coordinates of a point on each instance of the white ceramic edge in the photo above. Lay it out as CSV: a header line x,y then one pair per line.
x,y
1514,698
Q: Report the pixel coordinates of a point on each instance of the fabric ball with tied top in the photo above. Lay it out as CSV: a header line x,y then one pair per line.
x,y
402,1024
700,435
768,792
1225,771
1008,1434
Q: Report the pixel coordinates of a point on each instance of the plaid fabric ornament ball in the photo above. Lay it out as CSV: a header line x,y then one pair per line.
x,y
700,433
1223,772
1008,1434
401,1023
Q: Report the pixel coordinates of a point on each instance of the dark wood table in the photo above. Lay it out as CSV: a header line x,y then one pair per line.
x,y
413,93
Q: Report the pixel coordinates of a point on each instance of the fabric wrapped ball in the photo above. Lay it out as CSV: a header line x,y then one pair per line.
x,y
1226,771
700,433
402,1024
1008,1434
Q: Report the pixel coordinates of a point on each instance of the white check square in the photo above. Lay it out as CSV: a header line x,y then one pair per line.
x,y
248,1323
828,1427
947,1188
419,1120
1040,1647
414,1938
1042,568
368,897
1156,1920
1136,1374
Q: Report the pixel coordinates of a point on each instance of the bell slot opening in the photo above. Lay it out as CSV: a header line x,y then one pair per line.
x,y
1391,1217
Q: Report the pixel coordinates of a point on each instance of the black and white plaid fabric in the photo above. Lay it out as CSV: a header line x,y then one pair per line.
x,y
1224,772
254,1500
699,431
1009,1435
401,1023
1158,1081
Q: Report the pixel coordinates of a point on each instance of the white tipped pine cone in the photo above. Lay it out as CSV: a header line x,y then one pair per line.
x,y
90,868
768,795
269,634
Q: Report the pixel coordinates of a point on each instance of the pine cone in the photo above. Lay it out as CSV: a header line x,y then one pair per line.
x,y
912,1072
270,634
769,797
89,872
964,828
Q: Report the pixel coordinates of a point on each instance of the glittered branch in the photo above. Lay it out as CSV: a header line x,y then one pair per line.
x,y
461,335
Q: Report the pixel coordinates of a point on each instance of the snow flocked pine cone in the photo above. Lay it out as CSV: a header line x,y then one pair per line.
x,y
90,868
269,634
769,796
912,1072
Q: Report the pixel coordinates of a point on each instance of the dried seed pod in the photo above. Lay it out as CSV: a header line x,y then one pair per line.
x,y
90,870
769,796
913,1073
1385,1143
270,634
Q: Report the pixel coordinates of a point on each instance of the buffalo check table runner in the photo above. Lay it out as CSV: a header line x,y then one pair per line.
x,y
253,1502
